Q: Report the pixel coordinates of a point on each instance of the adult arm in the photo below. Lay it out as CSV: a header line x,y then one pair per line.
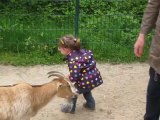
x,y
148,22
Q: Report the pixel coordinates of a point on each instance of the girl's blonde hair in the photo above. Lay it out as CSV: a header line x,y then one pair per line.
x,y
69,41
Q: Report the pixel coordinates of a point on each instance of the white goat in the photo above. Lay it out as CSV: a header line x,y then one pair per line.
x,y
22,101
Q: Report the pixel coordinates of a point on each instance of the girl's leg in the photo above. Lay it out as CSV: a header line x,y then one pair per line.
x,y
74,101
70,106
90,102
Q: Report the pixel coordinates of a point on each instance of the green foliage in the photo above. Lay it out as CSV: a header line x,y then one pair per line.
x,y
29,33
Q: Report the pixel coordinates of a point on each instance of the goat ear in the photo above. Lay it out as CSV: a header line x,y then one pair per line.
x,y
59,84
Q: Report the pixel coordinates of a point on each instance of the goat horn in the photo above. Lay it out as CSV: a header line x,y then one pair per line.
x,y
51,72
57,75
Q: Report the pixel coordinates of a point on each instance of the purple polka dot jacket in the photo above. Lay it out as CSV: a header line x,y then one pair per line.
x,y
82,68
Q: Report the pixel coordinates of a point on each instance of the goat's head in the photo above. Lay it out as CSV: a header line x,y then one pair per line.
x,y
65,88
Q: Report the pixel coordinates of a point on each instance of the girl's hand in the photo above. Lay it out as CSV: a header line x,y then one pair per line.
x,y
68,77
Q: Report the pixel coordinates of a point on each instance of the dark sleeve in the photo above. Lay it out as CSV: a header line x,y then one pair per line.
x,y
150,16
74,69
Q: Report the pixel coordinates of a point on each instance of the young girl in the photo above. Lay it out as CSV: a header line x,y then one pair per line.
x,y
82,68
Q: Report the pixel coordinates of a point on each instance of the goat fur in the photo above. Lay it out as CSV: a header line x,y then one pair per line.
x,y
23,101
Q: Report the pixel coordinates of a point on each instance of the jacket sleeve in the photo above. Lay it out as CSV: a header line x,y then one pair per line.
x,y
150,16
74,69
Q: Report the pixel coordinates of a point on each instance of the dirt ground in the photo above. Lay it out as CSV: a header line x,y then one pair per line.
x,y
120,97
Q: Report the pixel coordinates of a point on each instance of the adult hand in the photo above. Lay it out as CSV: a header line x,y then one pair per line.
x,y
139,45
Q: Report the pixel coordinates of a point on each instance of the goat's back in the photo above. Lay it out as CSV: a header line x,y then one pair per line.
x,y
15,101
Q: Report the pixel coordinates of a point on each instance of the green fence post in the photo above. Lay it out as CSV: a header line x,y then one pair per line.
x,y
77,18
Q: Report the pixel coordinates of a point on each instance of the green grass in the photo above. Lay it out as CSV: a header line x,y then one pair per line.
x,y
112,54
29,59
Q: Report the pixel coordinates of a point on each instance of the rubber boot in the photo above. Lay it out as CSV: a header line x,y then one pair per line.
x,y
74,101
70,106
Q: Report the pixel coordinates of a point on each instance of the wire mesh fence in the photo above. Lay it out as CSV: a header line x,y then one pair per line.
x,y
108,27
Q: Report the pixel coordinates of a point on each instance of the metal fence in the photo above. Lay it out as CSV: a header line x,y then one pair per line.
x,y
107,30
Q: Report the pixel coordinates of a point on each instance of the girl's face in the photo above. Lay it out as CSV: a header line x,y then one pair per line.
x,y
64,51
